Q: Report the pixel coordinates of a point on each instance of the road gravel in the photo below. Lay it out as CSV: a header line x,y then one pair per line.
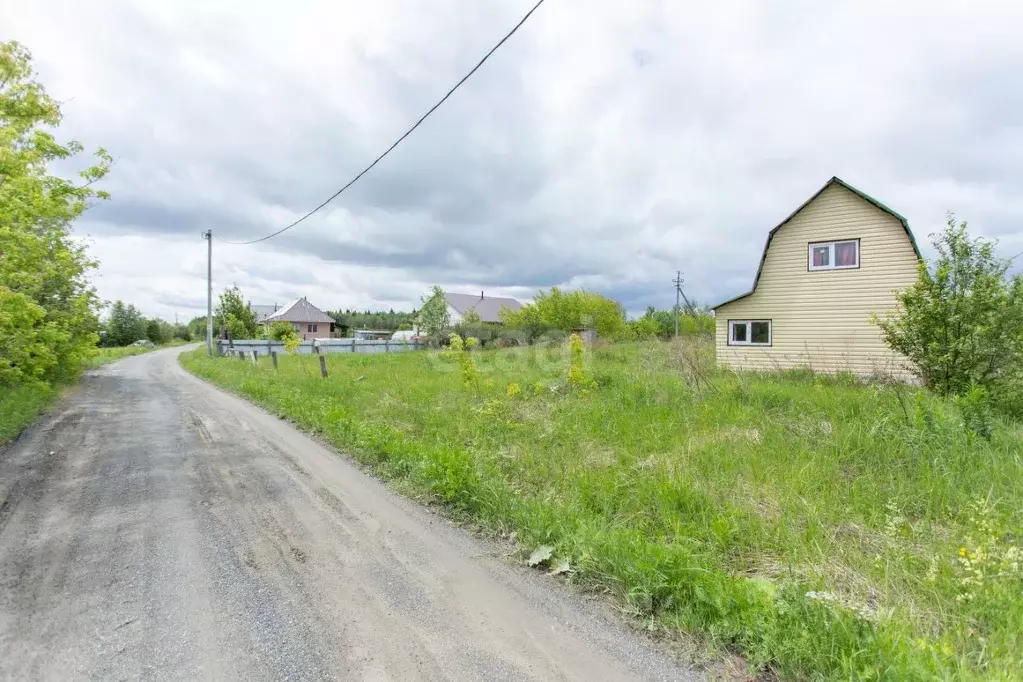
x,y
155,527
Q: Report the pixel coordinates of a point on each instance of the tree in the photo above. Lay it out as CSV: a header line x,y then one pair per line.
x,y
961,322
567,310
48,310
233,314
433,316
124,326
281,331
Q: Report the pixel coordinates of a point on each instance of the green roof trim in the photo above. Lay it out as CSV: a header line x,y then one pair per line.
x,y
833,181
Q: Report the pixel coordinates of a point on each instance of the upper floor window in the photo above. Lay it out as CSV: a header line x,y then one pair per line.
x,y
834,255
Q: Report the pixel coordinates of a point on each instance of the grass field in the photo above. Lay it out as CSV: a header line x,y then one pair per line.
x,y
20,405
820,527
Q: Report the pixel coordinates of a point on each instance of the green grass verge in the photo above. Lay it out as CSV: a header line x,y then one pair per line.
x,y
20,405
104,356
824,529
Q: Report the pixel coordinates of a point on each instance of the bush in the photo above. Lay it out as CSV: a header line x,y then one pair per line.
x,y
961,322
565,311
281,331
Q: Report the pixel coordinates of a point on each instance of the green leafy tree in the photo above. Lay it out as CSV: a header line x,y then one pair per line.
x,y
233,314
281,331
566,310
381,319
961,322
124,326
197,328
48,310
433,316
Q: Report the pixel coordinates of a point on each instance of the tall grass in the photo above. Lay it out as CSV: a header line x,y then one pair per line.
x,y
20,405
821,527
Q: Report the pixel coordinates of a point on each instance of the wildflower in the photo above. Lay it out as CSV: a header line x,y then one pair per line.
x,y
513,390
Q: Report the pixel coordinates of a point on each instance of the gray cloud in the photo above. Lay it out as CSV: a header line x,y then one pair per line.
x,y
605,145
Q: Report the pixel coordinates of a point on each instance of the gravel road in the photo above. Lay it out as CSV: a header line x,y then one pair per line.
x,y
155,527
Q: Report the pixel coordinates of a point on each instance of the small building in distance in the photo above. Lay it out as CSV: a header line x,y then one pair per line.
x,y
487,307
309,321
826,269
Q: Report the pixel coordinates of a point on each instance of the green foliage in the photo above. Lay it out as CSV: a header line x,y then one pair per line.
x,y
390,319
961,323
459,349
124,326
48,310
233,313
281,331
20,405
661,323
565,311
433,316
576,357
197,328
814,524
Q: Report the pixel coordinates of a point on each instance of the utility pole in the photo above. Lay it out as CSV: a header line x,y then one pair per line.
x,y
678,290
208,236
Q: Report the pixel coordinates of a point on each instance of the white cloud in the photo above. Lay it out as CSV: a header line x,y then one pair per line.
x,y
607,144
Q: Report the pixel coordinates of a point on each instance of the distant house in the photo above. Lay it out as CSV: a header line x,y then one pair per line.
x,y
487,307
309,321
838,259
263,311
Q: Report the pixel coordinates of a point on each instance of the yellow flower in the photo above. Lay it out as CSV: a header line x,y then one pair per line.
x,y
962,551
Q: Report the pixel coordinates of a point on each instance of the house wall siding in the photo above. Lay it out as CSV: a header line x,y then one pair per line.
x,y
821,319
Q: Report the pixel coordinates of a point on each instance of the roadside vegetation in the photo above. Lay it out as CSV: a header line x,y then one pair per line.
x,y
107,355
818,525
823,526
48,310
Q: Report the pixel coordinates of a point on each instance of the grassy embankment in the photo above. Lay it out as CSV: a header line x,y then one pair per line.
x,y
20,405
820,527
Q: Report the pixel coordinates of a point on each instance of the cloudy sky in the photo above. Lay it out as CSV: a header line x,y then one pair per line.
x,y
606,145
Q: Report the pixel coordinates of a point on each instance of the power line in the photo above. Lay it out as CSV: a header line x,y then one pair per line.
x,y
407,132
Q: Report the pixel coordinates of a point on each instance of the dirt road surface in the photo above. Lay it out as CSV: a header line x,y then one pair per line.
x,y
155,527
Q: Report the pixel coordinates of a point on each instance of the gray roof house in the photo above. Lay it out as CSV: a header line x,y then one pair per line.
x,y
487,307
309,321
263,311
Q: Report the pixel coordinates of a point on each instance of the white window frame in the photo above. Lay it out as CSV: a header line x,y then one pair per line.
x,y
831,255
749,333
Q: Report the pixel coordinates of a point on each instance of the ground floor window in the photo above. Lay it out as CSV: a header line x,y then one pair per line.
x,y
749,332
311,327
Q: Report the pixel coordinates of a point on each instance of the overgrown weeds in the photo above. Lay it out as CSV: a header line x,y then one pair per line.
x,y
813,523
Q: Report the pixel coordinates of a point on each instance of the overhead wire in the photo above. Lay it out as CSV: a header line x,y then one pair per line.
x,y
401,139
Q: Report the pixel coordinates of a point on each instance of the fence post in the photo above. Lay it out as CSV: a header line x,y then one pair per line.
x,y
316,348
323,366
273,354
255,357
387,345
241,355
353,344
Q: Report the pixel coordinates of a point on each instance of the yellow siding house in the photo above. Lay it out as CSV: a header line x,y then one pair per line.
x,y
825,269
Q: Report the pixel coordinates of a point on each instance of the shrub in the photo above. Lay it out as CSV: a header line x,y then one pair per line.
x,y
961,322
567,310
281,331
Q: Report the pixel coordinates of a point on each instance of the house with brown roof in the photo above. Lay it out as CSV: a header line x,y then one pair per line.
x,y
309,321
487,307
825,270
